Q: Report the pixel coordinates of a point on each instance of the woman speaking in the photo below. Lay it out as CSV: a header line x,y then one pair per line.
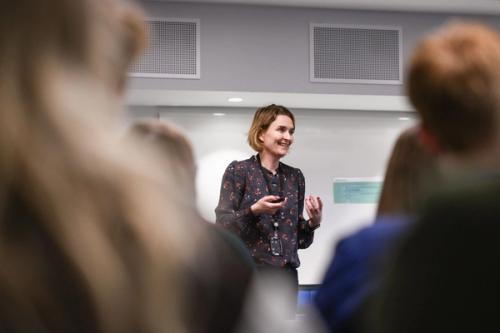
x,y
262,199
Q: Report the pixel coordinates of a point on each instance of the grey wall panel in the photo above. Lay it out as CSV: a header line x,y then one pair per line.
x,y
260,48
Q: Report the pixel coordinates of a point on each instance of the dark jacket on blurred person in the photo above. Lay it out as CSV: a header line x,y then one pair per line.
x,y
218,283
444,276
352,276
217,280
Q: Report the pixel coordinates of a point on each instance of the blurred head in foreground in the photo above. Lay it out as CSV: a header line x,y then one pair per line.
x,y
454,84
176,151
82,243
410,173
219,279
442,277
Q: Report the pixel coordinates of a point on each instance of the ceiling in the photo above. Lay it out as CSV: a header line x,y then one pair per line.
x,y
490,7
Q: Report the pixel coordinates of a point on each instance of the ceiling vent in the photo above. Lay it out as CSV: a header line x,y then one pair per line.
x,y
355,54
173,50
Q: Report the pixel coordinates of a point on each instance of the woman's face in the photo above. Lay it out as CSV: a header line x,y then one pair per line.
x,y
278,137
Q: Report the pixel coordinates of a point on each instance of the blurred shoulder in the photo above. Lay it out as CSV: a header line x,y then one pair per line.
x,y
375,237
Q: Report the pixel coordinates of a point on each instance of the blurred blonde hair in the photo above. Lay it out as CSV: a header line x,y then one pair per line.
x,y
83,243
174,147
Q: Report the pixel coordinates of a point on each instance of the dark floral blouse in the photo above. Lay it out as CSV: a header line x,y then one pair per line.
x,y
243,184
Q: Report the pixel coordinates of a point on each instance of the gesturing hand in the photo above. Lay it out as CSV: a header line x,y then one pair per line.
x,y
268,205
314,208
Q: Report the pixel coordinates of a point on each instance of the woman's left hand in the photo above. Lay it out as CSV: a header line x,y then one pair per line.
x,y
314,208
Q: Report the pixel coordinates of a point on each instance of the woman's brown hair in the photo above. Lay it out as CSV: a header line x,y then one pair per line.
x,y
411,170
264,117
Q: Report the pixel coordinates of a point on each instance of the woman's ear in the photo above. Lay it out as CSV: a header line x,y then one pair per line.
x,y
260,135
429,140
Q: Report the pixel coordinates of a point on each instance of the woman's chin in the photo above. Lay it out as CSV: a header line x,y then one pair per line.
x,y
281,153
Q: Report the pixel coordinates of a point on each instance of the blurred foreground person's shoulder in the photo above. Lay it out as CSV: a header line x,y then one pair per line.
x,y
219,281
443,277
216,281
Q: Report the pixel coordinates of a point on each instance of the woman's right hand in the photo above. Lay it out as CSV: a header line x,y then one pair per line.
x,y
268,205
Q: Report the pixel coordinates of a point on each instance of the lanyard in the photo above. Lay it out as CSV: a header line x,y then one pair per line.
x,y
269,186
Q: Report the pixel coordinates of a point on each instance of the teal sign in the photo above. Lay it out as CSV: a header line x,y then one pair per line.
x,y
356,192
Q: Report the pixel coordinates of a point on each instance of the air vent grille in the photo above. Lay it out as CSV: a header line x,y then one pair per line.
x,y
173,51
355,54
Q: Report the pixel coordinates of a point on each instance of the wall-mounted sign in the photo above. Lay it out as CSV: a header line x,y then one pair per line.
x,y
356,190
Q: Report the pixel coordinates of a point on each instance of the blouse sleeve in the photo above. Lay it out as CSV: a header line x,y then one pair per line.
x,y
305,233
228,213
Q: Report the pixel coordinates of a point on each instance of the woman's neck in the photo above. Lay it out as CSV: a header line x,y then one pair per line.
x,y
269,161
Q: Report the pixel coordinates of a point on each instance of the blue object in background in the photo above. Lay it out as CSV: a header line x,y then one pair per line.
x,y
305,297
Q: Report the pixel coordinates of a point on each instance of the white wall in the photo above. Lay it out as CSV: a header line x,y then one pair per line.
x,y
328,144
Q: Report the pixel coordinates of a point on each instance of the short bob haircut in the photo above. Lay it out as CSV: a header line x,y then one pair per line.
x,y
264,117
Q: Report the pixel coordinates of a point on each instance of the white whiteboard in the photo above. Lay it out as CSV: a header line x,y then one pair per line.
x,y
328,144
